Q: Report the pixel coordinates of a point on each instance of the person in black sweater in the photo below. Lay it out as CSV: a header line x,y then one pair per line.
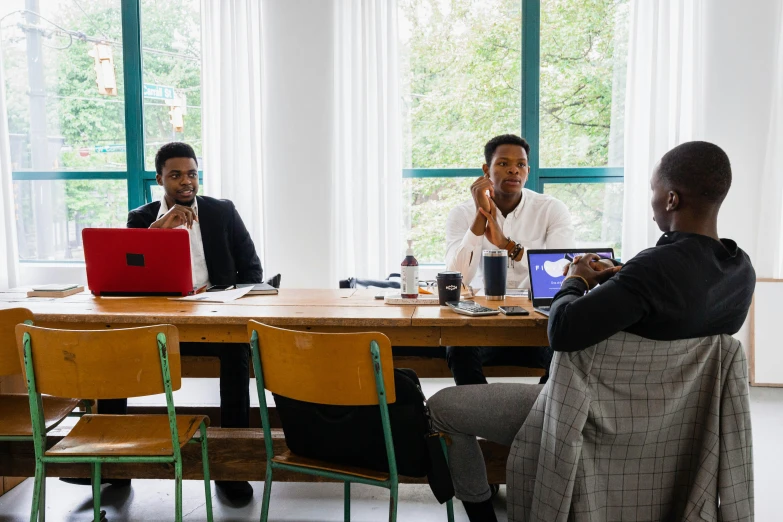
x,y
692,284
222,253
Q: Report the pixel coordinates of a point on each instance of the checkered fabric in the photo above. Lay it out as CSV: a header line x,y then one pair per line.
x,y
638,430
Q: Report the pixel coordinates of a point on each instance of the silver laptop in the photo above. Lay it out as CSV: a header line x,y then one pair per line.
x,y
546,272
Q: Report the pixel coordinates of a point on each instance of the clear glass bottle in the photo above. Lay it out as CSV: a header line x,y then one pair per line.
x,y
409,272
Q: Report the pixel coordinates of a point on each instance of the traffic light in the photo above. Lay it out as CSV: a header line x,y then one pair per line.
x,y
104,69
177,111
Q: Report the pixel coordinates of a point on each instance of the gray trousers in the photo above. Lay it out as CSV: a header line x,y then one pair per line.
x,y
494,412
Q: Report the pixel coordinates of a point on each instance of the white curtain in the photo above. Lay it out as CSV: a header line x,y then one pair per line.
x,y
231,75
664,102
366,190
9,257
769,251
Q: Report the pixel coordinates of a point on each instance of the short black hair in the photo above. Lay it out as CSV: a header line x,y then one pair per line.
x,y
504,139
175,149
699,167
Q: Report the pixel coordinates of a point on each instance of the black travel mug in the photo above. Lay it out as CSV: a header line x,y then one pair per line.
x,y
495,268
449,286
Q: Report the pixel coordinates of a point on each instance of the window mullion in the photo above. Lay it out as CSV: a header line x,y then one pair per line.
x,y
531,60
134,108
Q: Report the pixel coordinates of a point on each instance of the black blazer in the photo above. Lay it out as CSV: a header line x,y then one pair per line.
x,y
228,249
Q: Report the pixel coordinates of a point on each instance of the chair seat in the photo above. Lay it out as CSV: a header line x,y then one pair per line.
x,y
304,462
15,413
125,435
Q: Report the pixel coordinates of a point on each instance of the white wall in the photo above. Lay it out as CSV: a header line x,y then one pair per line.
x,y
298,89
741,43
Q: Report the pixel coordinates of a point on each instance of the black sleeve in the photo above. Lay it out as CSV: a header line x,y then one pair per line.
x,y
245,258
136,220
577,321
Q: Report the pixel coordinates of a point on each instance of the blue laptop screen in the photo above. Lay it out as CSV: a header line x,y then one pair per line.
x,y
546,272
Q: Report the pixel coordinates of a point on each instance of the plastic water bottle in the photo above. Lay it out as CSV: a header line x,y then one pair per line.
x,y
409,270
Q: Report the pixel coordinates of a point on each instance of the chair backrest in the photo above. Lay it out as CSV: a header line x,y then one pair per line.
x,y
323,368
9,355
101,364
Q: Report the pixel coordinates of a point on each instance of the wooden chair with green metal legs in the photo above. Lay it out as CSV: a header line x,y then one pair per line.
x,y
109,364
15,422
352,369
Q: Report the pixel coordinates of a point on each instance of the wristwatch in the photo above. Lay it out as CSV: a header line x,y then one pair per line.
x,y
515,252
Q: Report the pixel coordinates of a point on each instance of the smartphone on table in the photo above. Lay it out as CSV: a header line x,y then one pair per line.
x,y
219,288
513,310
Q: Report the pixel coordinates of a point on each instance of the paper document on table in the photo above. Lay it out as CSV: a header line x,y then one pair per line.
x,y
226,296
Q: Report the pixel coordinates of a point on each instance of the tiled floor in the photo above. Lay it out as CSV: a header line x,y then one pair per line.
x,y
153,500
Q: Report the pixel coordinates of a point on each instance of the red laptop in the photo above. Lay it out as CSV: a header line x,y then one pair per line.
x,y
137,261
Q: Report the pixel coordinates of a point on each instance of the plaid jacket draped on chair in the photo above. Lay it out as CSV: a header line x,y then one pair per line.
x,y
638,430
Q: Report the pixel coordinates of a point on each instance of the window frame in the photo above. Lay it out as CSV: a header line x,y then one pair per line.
x,y
530,128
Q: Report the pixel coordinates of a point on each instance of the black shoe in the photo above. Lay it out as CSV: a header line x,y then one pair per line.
x,y
120,483
480,511
237,491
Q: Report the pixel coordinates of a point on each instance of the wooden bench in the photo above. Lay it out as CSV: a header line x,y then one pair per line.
x,y
234,454
196,366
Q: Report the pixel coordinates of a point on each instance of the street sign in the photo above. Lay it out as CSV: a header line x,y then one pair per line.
x,y
159,92
110,148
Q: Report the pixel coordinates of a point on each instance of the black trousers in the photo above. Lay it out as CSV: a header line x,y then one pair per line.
x,y
234,380
467,362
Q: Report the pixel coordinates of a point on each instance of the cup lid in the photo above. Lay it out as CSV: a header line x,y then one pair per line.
x,y
449,274
495,253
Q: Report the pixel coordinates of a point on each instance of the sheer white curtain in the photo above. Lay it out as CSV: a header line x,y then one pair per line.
x,y
769,251
366,189
8,259
663,104
231,76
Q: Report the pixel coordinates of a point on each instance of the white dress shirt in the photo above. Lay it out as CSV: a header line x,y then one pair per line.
x,y
198,262
539,221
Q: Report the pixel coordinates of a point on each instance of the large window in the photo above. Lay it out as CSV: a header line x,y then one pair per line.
x,y
93,88
552,71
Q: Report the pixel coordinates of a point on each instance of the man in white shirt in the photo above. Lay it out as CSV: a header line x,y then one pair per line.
x,y
502,214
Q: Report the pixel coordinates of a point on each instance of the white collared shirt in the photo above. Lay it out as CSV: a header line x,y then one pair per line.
x,y
198,262
539,221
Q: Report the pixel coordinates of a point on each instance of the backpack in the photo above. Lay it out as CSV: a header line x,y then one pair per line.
x,y
353,435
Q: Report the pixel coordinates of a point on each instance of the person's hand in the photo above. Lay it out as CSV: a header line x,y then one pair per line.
x,y
177,215
591,269
493,232
479,190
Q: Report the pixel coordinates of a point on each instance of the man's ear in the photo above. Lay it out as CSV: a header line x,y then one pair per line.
x,y
485,168
673,201
159,179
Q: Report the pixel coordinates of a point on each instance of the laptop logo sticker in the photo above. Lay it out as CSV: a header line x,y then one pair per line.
x,y
135,259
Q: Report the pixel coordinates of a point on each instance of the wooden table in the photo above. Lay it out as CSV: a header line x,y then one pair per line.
x,y
347,310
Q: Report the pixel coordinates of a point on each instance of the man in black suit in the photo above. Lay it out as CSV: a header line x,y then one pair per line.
x,y
222,253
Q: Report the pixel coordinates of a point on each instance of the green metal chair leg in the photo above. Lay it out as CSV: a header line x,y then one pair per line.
x,y
96,491
267,492
205,463
347,501
393,502
178,490
36,504
42,496
449,503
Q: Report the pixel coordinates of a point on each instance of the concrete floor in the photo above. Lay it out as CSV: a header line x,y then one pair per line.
x,y
153,500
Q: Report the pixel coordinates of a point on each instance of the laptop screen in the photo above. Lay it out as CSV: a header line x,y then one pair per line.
x,y
546,269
